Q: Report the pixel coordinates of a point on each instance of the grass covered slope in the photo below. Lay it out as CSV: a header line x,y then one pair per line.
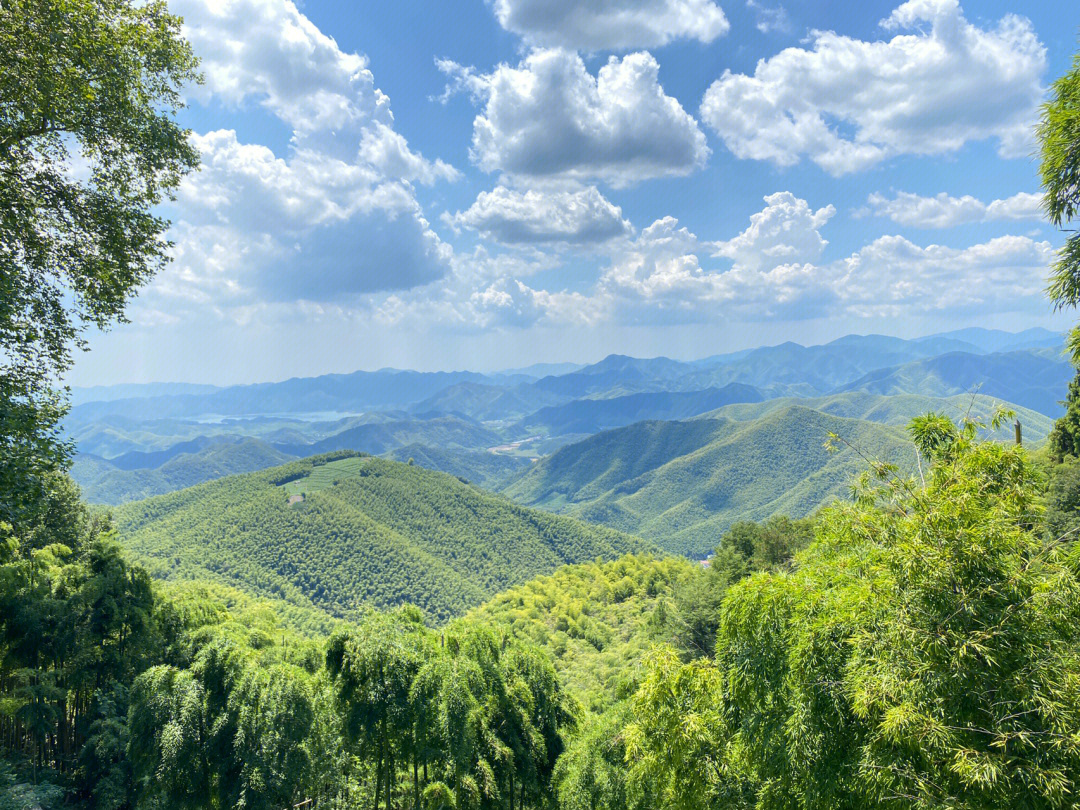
x,y
369,531
682,484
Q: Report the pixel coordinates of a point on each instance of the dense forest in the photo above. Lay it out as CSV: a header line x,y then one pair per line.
x,y
340,531
682,484
350,632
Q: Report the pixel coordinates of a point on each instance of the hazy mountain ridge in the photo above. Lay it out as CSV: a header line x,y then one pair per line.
x,y
1033,378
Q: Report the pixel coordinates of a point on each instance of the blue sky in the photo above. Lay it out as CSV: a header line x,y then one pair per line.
x,y
491,184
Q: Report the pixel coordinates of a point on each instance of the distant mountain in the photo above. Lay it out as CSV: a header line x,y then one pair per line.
x,y
367,532
110,393
538,370
376,438
813,370
618,372
682,484
146,460
341,393
486,402
1037,379
594,415
102,481
899,410
489,470
989,341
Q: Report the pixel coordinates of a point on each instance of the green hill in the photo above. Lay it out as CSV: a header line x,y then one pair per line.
x,y
899,409
682,484
476,466
102,482
367,532
1035,378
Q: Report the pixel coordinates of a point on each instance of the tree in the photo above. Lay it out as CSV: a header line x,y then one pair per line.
x,y
1064,439
922,653
88,147
1059,138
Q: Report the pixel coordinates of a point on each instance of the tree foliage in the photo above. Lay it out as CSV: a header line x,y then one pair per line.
x,y
88,147
923,652
384,534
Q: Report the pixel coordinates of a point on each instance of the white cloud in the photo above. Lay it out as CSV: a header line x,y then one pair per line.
x,y
267,50
336,216
785,230
776,271
848,104
548,117
769,18
945,211
893,276
542,216
596,25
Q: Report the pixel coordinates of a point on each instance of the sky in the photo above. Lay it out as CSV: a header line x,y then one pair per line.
x,y
484,184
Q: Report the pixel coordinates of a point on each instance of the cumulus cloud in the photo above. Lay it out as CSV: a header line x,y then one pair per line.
x,y
543,216
893,276
598,25
847,104
786,229
311,227
268,51
945,211
776,270
336,215
548,117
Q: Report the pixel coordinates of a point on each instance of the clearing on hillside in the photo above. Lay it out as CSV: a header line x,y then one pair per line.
x,y
324,476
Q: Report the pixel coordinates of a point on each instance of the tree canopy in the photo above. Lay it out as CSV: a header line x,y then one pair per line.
x,y
89,145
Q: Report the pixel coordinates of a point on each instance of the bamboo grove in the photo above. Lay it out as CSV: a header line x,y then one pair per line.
x,y
118,694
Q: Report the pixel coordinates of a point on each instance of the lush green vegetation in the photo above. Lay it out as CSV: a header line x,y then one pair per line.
x,y
102,482
368,532
682,484
115,694
899,409
592,619
1032,379
98,83
482,467
921,653
916,645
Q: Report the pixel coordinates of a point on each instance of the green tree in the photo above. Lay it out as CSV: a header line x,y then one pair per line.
x,y
922,653
1064,439
88,147
1059,169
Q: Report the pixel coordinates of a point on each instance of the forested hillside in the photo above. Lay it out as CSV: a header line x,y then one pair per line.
x,y
596,620
103,482
482,467
899,409
594,415
372,532
682,484
1031,379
